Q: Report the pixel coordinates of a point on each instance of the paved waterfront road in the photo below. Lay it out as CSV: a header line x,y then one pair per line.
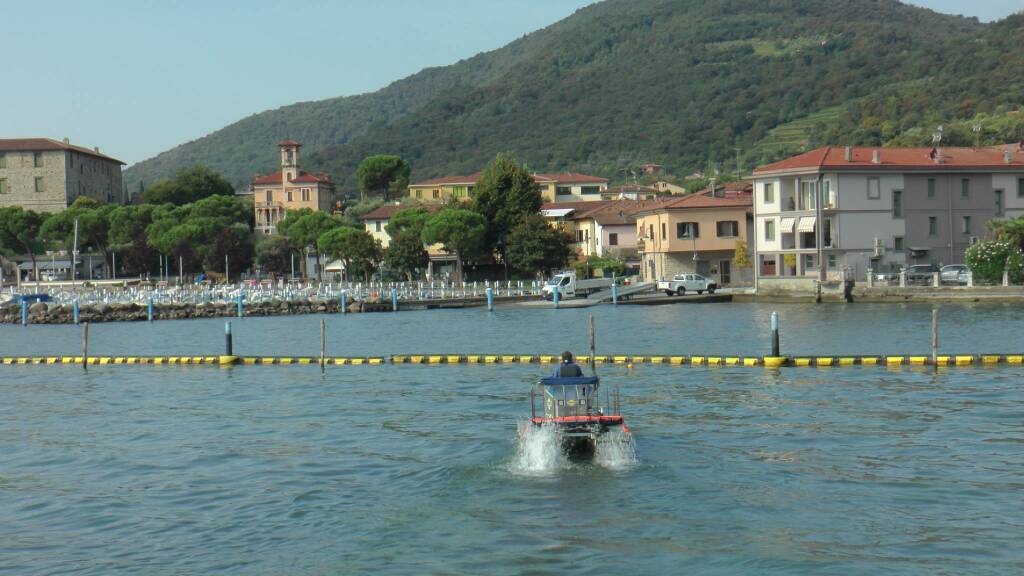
x,y
413,469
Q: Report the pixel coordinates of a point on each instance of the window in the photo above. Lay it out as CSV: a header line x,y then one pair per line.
x,y
3,185
664,234
377,225
965,188
727,229
808,195
437,194
613,239
1020,181
831,260
291,157
688,230
590,190
419,194
874,189
933,226
305,194
650,231
829,199
3,162
290,198
270,196
967,224
897,203
931,187
579,236
563,191
71,159
809,261
769,230
999,202
897,243
769,193
40,186
826,233
37,159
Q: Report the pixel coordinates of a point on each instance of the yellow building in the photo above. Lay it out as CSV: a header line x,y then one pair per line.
x,y
693,234
289,189
553,187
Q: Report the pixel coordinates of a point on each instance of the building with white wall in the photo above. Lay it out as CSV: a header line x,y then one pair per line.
x,y
852,209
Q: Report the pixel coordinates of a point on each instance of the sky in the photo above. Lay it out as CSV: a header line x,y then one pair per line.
x,y
137,77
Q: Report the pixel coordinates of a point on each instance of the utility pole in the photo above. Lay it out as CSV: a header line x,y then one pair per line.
x,y
74,257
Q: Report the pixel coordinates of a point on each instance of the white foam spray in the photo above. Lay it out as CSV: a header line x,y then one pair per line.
x,y
615,449
538,450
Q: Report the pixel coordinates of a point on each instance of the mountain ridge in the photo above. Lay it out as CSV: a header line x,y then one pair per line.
x,y
675,82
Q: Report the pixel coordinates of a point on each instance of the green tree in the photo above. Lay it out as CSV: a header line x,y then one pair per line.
x,y
536,246
304,227
462,232
190,185
19,233
406,254
127,236
382,174
235,242
506,194
408,220
988,259
740,257
93,219
358,251
274,254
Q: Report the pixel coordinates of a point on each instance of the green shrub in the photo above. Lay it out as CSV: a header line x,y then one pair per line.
x,y
988,259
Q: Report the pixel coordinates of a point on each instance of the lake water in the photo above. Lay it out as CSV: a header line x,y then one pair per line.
x,y
419,469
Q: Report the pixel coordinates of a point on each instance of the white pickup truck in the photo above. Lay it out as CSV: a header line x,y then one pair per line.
x,y
683,283
568,286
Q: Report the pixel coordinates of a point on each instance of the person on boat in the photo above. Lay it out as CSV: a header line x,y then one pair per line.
x,y
568,368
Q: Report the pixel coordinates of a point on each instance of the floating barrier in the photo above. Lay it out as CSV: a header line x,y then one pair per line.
x,y
621,359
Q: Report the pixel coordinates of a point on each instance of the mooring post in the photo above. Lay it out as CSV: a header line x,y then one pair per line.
x,y
394,300
323,343
775,334
554,296
239,304
85,346
149,308
341,301
228,344
24,312
615,294
490,299
74,310
935,336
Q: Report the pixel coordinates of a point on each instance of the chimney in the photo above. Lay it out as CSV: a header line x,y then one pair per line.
x,y
876,157
96,148
67,140
1008,155
849,153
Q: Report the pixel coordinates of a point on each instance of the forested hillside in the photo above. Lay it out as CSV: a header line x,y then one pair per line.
x,y
676,82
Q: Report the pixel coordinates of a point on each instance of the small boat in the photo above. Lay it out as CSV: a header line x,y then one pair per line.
x,y
573,407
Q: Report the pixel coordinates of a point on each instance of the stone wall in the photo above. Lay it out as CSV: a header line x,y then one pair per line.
x,y
21,174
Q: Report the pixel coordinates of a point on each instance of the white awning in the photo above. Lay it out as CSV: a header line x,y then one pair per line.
x,y
806,224
556,212
787,225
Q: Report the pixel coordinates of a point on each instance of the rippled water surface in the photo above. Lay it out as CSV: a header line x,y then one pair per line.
x,y
420,470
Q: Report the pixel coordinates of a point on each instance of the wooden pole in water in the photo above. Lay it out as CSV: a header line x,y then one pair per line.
x,y
935,336
85,346
323,343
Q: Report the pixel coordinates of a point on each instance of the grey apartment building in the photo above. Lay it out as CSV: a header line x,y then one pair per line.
x,y
851,209
48,175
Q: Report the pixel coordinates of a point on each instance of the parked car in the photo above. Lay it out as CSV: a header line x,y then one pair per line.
x,y
954,274
920,274
683,283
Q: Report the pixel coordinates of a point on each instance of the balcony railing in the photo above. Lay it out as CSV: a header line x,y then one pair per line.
x,y
266,204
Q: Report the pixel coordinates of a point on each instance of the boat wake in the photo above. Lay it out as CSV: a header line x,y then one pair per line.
x,y
538,450
615,449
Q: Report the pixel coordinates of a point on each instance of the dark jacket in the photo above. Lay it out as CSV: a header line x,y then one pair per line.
x,y
568,370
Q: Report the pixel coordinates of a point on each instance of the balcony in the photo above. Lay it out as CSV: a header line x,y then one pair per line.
x,y
268,205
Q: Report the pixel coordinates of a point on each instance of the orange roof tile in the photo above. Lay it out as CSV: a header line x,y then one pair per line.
x,y
834,158
40,144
